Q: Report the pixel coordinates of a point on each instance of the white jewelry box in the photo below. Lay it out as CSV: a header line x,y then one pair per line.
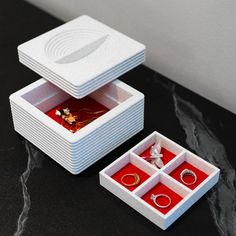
x,y
139,197
81,58
77,151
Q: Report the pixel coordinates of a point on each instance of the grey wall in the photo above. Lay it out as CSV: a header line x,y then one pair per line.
x,y
190,41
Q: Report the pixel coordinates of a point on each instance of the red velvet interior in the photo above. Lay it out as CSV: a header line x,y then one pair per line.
x,y
86,115
201,176
130,169
162,189
167,155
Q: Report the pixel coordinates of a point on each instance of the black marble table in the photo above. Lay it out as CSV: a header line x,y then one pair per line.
x,y
38,197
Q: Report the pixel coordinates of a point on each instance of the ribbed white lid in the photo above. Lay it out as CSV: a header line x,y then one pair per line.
x,y
81,55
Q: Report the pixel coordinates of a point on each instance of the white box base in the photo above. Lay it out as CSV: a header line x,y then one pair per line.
x,y
77,151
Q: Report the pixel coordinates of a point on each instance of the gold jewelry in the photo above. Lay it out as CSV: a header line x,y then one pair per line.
x,y
190,173
155,197
136,179
73,120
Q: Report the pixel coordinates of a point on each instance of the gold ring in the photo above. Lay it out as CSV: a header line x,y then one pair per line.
x,y
155,197
136,179
188,172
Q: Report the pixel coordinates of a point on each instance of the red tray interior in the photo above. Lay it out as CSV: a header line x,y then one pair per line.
x,y
84,108
201,176
130,169
162,189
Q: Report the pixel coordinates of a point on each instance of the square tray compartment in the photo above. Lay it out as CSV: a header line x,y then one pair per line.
x,y
77,151
162,180
169,149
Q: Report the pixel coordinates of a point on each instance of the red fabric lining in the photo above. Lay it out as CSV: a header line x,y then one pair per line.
x,y
130,169
201,176
162,189
167,155
75,105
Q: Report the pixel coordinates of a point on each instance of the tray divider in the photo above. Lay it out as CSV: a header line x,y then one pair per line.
x,y
146,164
140,190
174,163
177,186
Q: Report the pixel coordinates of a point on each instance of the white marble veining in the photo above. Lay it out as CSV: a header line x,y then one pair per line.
x,y
35,158
222,198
